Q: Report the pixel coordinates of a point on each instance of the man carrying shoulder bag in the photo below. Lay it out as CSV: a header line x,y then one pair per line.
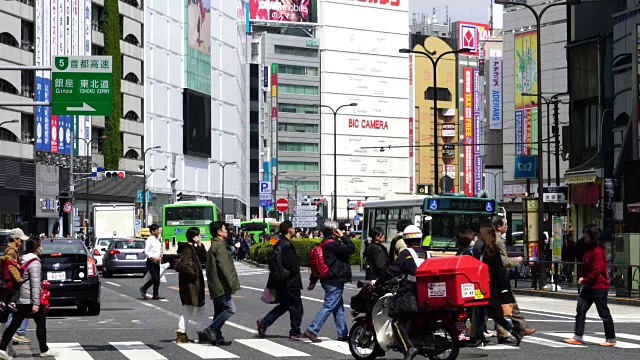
x,y
285,280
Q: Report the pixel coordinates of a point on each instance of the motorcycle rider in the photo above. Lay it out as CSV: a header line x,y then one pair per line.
x,y
405,302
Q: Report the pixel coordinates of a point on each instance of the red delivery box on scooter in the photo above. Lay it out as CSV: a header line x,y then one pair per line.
x,y
452,282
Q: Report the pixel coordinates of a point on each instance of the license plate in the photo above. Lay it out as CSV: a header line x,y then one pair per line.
x,y
60,275
131,257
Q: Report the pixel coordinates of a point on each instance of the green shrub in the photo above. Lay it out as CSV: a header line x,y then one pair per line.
x,y
260,252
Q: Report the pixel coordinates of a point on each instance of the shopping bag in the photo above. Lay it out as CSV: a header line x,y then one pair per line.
x,y
269,296
163,279
507,310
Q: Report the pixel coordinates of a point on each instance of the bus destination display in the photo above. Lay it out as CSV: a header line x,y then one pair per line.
x,y
460,205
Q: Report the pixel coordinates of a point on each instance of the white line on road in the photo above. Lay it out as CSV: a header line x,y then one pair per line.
x,y
137,350
547,315
596,340
547,342
112,283
272,348
303,297
499,347
625,336
70,351
208,351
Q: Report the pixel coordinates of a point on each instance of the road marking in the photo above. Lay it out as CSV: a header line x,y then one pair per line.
x,y
546,312
149,296
112,283
498,347
238,326
341,347
547,342
137,350
271,348
596,340
208,351
70,351
625,336
547,315
302,297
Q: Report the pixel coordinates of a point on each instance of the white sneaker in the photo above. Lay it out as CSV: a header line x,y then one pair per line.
x,y
5,356
50,352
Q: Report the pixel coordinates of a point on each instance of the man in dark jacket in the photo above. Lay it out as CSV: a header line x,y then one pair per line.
x,y
286,281
336,249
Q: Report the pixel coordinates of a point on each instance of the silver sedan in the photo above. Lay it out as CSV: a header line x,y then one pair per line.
x,y
124,257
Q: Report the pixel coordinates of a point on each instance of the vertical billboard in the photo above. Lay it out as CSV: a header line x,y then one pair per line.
x,y
286,11
57,32
468,131
87,51
495,92
411,130
477,160
526,81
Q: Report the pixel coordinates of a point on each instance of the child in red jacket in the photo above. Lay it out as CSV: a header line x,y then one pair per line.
x,y
595,278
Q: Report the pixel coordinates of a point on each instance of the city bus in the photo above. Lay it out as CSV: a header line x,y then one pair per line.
x,y
441,217
257,227
178,217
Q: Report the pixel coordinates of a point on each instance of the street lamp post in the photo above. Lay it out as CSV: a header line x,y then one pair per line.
x,y
223,164
435,105
495,182
87,144
538,17
144,184
8,122
335,154
295,185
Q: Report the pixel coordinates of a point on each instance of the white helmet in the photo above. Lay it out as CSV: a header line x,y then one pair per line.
x,y
412,232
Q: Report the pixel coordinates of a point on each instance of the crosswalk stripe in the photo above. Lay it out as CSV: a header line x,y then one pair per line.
x,y
625,336
136,350
70,351
208,351
547,342
341,347
498,347
596,340
272,348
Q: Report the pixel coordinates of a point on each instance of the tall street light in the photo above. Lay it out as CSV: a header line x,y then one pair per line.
x,y
223,164
295,185
435,104
8,122
335,153
538,17
495,182
144,182
87,144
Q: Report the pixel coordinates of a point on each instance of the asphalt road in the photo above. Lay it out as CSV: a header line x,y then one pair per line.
x,y
132,328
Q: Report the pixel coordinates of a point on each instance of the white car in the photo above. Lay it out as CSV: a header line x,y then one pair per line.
x,y
99,249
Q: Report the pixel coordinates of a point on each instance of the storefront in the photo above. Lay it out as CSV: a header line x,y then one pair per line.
x,y
585,194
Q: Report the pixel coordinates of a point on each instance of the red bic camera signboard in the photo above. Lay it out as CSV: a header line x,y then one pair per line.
x,y
82,85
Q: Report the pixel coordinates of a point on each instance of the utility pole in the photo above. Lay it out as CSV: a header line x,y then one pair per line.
x,y
556,135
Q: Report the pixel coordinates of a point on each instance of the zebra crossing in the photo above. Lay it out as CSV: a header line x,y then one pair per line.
x,y
285,348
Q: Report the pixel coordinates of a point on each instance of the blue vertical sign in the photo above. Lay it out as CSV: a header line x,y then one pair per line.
x,y
39,117
246,17
46,116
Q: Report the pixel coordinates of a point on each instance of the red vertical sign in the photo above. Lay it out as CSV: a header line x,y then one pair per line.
x,y
54,133
468,131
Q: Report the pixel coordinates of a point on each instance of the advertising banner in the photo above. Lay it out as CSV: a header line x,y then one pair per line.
x,y
477,161
87,51
468,131
197,75
46,61
64,146
556,245
75,50
54,133
495,93
525,81
39,83
470,35
286,11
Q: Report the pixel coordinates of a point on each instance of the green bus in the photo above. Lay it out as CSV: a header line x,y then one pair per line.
x,y
257,227
441,217
178,217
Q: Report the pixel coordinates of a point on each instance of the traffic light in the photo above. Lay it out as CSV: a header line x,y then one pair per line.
x,y
179,196
57,205
114,174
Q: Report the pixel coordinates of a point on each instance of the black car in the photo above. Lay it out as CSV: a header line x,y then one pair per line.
x,y
5,236
68,265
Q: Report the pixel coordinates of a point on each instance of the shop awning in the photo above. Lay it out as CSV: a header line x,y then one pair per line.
x,y
634,208
580,179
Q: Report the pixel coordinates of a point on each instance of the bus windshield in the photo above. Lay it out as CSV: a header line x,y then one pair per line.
x,y
444,228
188,215
254,227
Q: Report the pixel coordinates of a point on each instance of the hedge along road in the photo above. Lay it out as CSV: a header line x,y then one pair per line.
x,y
260,251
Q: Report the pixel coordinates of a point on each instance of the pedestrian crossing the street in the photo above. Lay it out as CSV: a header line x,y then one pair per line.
x,y
281,347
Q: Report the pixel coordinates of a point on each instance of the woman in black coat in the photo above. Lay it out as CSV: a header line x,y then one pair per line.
x,y
500,287
191,284
377,258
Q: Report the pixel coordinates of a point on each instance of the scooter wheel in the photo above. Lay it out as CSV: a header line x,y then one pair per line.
x,y
371,350
453,345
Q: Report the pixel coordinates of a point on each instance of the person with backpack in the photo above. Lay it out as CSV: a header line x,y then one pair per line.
x,y
29,303
329,263
286,281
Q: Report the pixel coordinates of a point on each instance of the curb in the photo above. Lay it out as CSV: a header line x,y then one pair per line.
x,y
565,296
255,264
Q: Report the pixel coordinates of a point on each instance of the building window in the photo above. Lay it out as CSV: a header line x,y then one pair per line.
x,y
298,109
295,51
302,185
301,128
300,166
591,127
297,70
300,147
298,89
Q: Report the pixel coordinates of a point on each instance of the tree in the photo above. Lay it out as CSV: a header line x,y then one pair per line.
x,y
112,146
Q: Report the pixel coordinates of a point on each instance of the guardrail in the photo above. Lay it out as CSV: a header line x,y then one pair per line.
x,y
563,276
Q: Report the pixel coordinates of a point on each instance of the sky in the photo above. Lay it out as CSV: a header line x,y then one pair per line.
x,y
469,10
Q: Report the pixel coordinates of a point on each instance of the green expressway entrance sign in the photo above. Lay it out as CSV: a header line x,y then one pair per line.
x,y
82,85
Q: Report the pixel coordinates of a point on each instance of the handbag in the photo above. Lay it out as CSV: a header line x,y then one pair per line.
x,y
507,310
269,296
